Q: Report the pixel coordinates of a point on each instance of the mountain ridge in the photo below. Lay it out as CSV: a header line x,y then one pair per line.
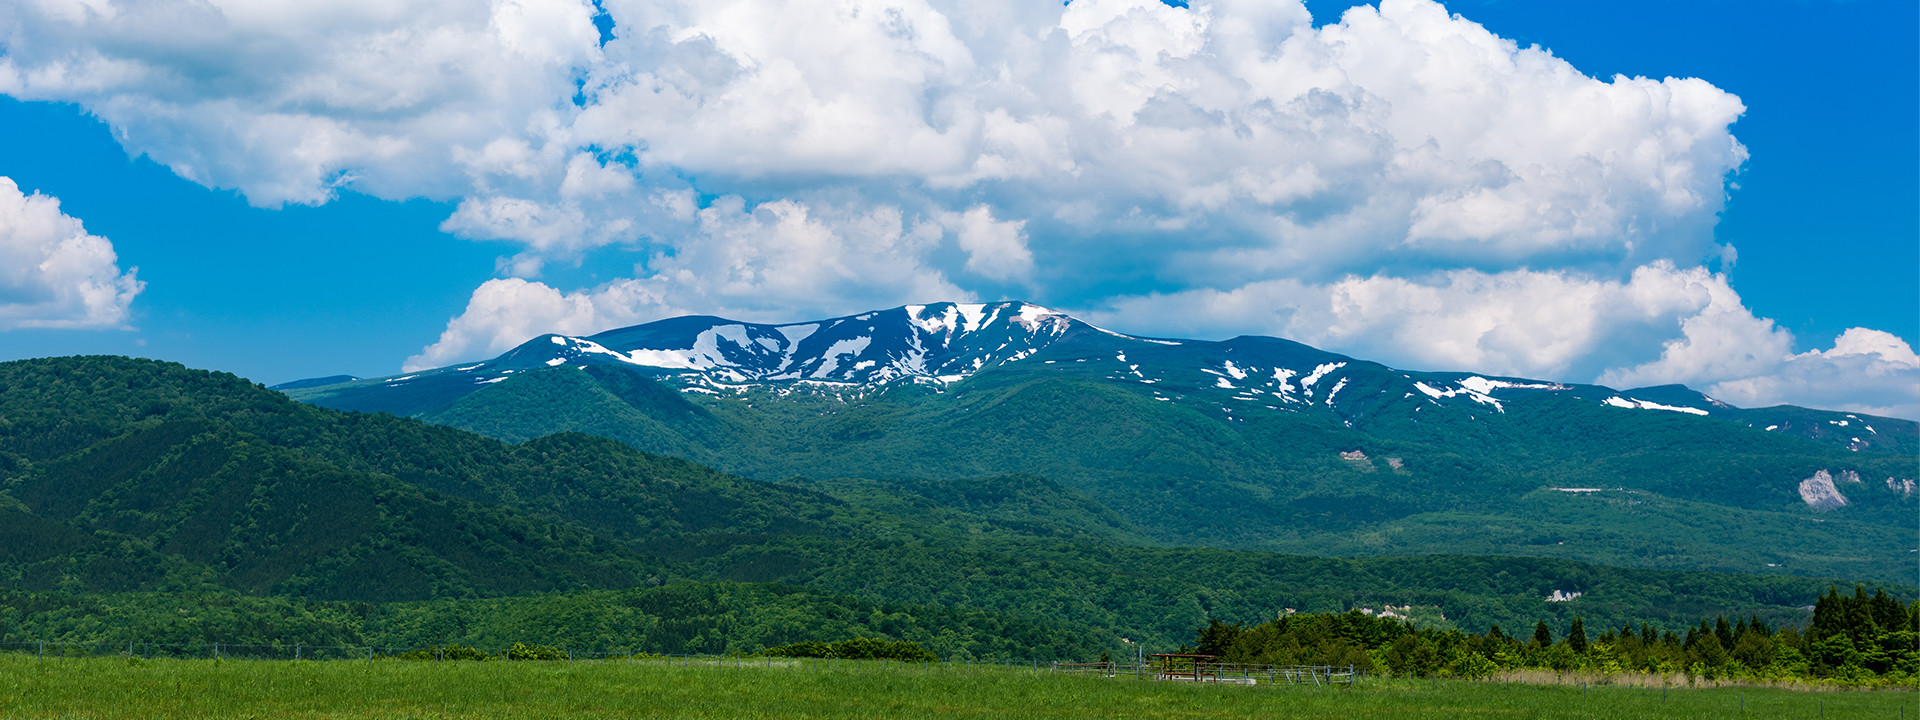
x,y
1251,442
944,343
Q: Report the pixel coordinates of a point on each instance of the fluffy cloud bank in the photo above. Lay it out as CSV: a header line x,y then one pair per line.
x,y
1660,325
52,273
1402,183
1233,134
777,262
1866,371
287,101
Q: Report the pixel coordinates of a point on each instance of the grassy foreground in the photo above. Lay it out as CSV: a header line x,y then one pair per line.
x,y
133,688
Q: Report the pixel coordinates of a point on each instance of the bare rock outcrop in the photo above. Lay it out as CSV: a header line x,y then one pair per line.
x,y
1819,493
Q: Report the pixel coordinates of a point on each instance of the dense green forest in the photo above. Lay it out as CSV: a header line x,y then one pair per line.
x,y
1852,638
144,501
697,618
1168,464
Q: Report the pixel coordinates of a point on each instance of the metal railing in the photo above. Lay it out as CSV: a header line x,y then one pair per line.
x,y
1232,673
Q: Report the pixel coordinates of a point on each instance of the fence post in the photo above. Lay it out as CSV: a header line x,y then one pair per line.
x,y
43,651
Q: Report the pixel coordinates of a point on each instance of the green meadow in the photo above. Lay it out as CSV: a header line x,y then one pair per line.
x,y
762,688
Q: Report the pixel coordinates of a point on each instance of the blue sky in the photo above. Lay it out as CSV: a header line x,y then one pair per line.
x,y
353,211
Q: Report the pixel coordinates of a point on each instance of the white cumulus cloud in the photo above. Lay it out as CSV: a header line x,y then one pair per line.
x,y
1556,324
778,261
288,101
1401,183
53,274
995,249
1244,140
1866,370
1661,325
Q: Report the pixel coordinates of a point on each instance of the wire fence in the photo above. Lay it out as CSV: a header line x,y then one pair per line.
x,y
1232,673
1252,675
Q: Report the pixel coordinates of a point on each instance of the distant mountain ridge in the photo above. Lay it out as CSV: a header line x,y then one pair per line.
x,y
1247,443
944,343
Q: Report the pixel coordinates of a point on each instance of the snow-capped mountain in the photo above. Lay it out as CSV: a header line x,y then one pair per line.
x,y
1254,441
941,344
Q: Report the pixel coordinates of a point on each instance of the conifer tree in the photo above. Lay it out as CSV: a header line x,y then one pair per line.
x,y
1886,611
1577,636
1827,613
1543,635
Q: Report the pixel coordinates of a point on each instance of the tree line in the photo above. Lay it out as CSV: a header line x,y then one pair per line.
x,y
1857,638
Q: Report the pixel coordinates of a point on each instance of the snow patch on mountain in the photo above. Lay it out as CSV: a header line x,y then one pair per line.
x,y
1476,389
1335,391
1282,378
1633,404
831,358
1320,371
1486,386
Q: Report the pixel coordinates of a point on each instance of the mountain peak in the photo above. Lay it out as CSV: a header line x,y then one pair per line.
x,y
938,344
941,342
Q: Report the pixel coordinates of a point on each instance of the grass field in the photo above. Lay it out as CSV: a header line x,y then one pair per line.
x,y
134,688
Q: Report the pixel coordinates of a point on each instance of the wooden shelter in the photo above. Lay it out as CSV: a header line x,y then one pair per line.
x,y
1182,666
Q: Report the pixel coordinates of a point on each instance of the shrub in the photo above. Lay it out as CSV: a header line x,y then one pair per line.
x,y
446,652
856,649
523,651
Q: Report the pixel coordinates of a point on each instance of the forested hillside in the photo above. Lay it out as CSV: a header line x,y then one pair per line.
x,y
143,497
1250,443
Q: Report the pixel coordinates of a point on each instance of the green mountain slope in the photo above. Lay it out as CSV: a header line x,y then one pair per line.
x,y
120,475
266,519
1694,492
